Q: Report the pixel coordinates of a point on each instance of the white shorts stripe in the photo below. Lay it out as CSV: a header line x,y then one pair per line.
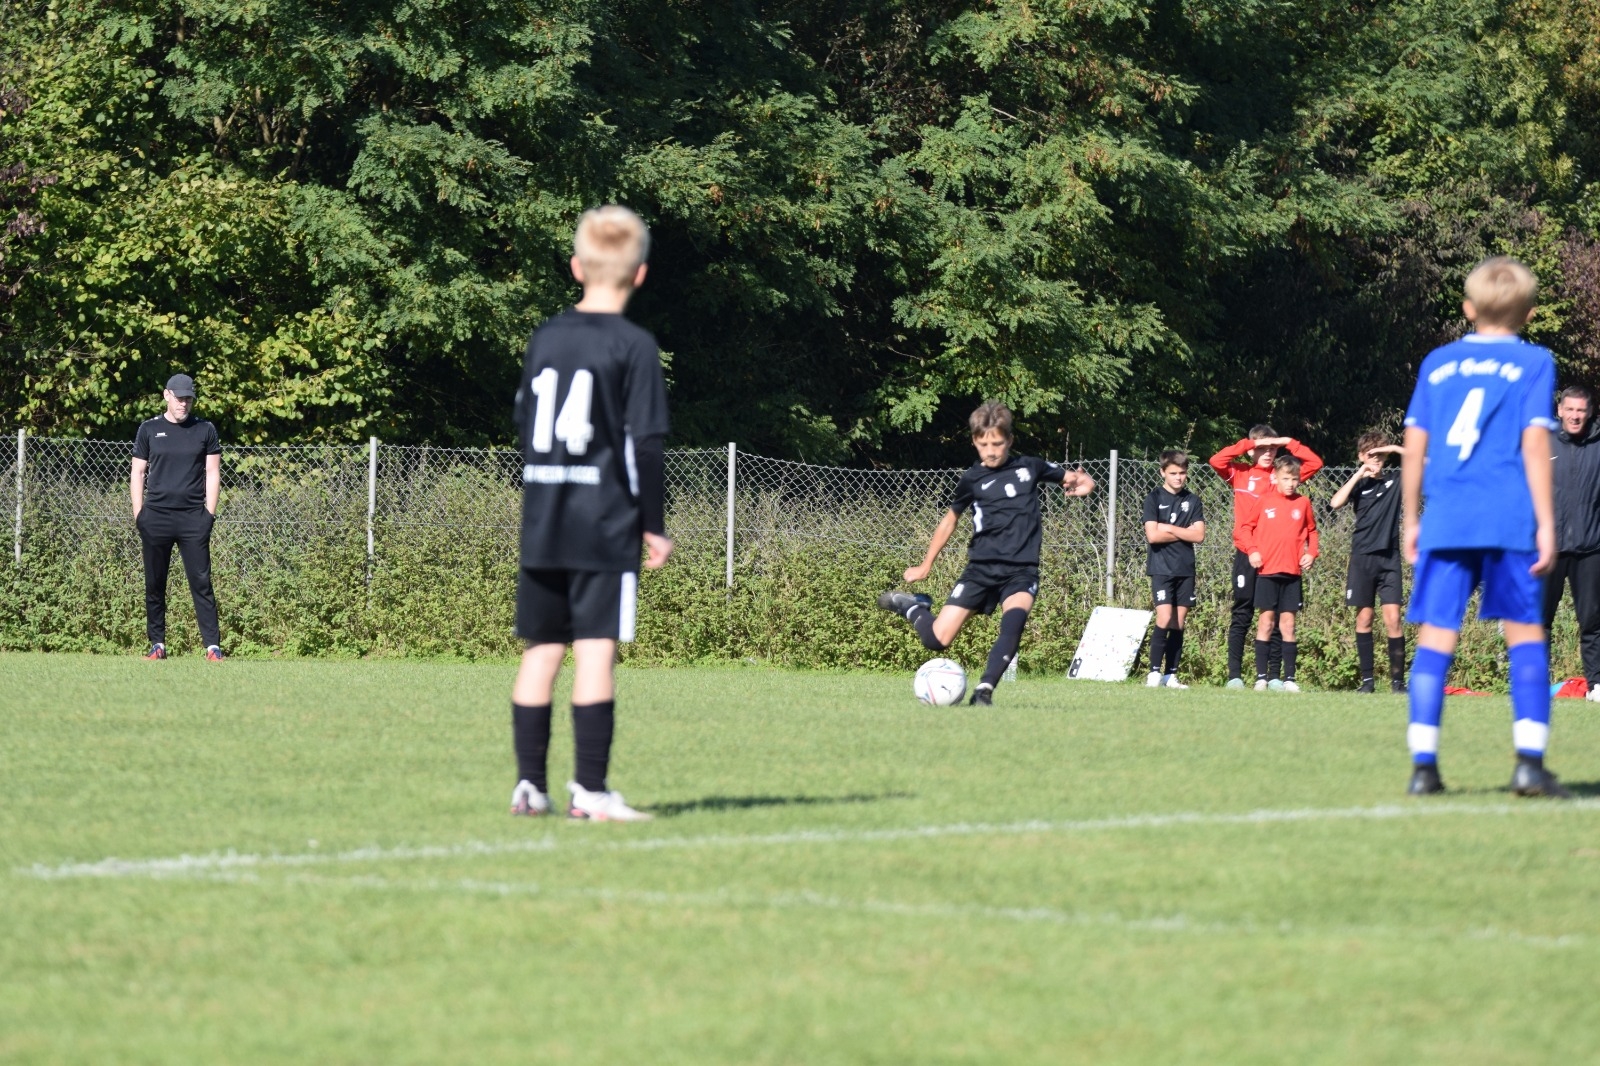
x,y
629,616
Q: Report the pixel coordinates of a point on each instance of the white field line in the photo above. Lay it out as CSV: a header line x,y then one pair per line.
x,y
805,900
191,865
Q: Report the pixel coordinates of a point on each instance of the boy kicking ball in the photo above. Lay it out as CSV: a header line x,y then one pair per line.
x,y
592,412
1280,537
1477,446
1002,491
1174,522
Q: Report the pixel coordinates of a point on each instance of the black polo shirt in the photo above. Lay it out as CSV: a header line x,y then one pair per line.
x,y
176,451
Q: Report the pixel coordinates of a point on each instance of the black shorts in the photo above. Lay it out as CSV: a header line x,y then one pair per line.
x,y
984,586
1167,590
1279,592
1244,579
1376,574
561,606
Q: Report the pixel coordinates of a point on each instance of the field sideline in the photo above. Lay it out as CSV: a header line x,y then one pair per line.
x,y
311,861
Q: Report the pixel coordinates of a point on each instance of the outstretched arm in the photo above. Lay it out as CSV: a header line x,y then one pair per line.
x,y
941,537
1077,483
1342,497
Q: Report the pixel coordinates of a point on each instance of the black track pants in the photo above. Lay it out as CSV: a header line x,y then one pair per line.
x,y
191,532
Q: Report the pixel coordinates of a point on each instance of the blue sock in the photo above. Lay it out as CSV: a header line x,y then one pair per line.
x,y
1429,669
1530,698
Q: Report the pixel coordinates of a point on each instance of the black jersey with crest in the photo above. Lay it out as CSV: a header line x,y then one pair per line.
x,y
1377,501
592,387
1005,508
1183,508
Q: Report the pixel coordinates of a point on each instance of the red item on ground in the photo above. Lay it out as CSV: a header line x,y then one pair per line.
x,y
1457,690
1574,688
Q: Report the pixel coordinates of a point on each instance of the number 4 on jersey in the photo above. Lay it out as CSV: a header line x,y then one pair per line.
x,y
571,426
1464,432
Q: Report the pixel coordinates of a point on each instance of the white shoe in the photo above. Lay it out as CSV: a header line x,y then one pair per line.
x,y
602,806
1593,695
1290,686
1171,681
1261,684
527,799
1153,679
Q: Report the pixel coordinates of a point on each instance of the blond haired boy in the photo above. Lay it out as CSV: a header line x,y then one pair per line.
x,y
1002,571
592,412
1477,446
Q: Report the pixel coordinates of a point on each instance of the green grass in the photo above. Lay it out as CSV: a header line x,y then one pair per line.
x,y
836,875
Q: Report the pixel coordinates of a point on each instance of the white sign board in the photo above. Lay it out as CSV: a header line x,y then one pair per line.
x,y
1109,644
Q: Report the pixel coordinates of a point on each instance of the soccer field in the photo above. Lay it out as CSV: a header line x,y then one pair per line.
x,y
312,862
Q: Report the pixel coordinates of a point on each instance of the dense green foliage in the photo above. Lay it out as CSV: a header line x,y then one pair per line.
x,y
1140,224
313,864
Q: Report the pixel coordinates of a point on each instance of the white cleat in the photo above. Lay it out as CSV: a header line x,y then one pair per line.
x,y
1593,695
1171,681
526,799
602,806
1290,686
1153,679
1261,684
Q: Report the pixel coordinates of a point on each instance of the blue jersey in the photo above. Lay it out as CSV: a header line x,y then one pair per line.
x,y
1474,398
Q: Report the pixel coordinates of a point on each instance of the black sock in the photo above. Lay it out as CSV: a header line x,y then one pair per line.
x,y
530,739
1364,653
1236,634
1005,645
1274,653
1174,650
1289,650
592,726
1262,650
1397,658
1158,648
921,620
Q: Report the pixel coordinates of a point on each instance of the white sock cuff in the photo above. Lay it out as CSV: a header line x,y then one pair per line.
x,y
1528,735
1422,739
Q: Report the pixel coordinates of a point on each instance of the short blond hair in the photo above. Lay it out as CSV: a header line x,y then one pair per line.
x,y
611,243
1502,291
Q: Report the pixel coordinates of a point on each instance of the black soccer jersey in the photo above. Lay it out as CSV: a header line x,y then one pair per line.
x,y
1175,558
1377,501
1005,508
175,479
592,387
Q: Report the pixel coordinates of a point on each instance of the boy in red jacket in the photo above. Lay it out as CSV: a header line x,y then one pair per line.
x,y
1247,468
1280,539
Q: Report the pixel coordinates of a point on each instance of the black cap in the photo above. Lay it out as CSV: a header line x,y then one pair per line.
x,y
180,385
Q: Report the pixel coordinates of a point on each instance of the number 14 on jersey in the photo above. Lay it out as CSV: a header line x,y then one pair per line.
x,y
571,425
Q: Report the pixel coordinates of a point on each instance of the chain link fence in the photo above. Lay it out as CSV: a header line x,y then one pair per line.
x,y
378,539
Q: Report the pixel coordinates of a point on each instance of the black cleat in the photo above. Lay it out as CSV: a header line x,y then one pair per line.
x,y
1530,780
898,602
1398,688
1367,686
1424,781
982,696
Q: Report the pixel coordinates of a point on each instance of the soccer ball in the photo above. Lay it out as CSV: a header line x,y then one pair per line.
x,y
940,682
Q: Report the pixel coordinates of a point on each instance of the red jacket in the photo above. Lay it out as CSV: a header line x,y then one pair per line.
x,y
1282,528
1249,482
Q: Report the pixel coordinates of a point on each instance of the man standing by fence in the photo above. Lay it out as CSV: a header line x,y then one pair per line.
x,y
176,478
1575,466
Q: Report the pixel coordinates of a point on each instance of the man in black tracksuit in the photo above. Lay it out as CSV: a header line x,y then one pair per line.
x,y
1576,469
175,481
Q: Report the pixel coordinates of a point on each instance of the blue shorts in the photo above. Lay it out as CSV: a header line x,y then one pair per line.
x,y
1444,580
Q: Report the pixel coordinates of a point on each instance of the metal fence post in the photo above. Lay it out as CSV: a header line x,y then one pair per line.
x,y
372,499
733,465
1111,529
22,455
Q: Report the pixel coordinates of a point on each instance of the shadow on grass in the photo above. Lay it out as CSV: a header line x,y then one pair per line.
x,y
744,803
1579,790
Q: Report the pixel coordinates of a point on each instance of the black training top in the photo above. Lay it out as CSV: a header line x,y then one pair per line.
x,y
593,396
1005,508
175,480
1175,558
1377,501
1575,466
